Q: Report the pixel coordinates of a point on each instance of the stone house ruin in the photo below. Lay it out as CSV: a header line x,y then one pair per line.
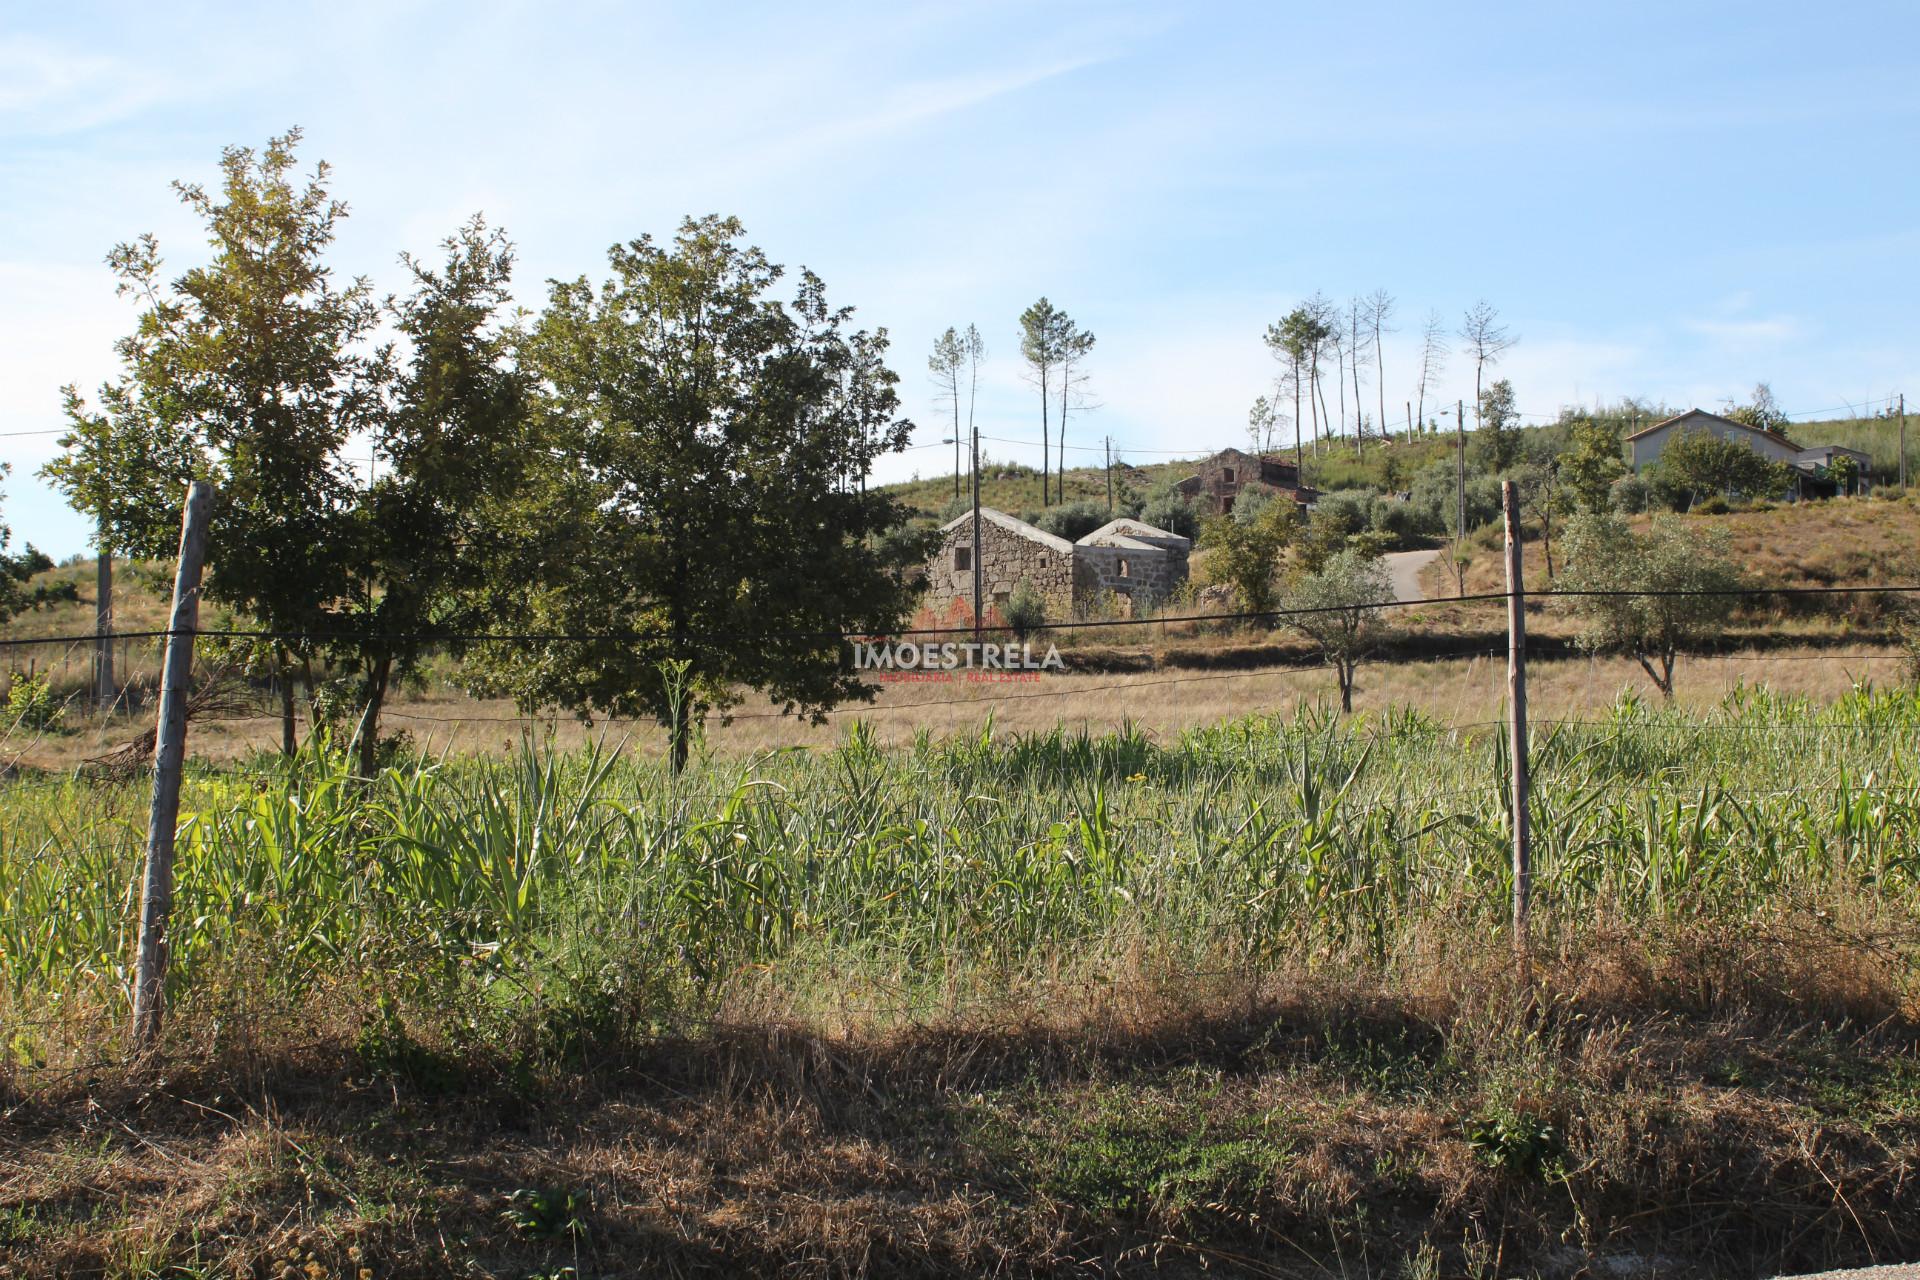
x,y
1133,561
1227,474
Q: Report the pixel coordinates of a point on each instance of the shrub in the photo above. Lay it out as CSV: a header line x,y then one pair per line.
x,y
1396,522
1026,610
1349,509
1073,520
1435,499
1167,508
32,706
1629,495
1252,501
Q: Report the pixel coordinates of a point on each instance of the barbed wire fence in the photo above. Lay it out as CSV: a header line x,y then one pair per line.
x,y
921,646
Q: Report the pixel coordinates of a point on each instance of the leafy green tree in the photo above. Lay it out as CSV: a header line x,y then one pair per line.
x,y
1298,340
1498,440
249,372
1702,463
17,570
700,478
451,449
1652,593
1340,609
1247,556
1763,411
1844,471
1045,334
1590,463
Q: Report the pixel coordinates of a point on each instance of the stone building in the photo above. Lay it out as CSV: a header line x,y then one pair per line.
x,y
1010,550
1133,561
1227,474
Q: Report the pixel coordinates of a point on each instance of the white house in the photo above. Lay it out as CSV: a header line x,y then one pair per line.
x,y
1811,466
1650,442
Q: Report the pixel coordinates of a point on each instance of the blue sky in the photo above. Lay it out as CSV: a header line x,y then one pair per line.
x,y
1665,200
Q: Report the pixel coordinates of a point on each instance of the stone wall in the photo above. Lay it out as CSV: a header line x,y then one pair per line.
x,y
1152,573
1224,476
1009,557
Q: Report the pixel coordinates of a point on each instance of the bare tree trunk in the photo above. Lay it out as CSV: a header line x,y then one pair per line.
x,y
1314,390
1340,383
1298,458
1046,434
284,677
1380,377
370,720
1663,678
1359,417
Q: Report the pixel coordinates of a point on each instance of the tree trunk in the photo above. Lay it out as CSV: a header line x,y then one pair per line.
x,y
1298,459
679,739
1346,685
370,720
1060,483
1663,678
284,678
1046,436
308,682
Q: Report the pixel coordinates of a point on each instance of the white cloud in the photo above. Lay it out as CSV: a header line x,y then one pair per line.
x,y
46,90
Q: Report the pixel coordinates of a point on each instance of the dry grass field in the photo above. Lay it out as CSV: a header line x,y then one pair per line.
x,y
1160,703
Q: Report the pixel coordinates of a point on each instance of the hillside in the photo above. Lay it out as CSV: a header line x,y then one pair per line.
x,y
1015,488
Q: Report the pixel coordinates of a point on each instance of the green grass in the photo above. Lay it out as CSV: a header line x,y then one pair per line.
x,y
587,890
1035,1002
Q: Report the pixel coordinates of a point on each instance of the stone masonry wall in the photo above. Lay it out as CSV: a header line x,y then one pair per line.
x,y
1008,558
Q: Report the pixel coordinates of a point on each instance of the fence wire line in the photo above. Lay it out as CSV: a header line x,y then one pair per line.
x,y
823,636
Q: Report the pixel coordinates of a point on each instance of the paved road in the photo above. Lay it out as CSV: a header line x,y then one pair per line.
x,y
1404,567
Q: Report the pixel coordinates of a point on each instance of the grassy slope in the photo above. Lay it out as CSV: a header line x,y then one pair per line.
x,y
1017,489
1840,542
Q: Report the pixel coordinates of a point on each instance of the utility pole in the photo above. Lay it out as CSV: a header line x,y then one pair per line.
x,y
1903,442
978,550
1411,425
1109,475
170,748
1517,732
104,692
1460,511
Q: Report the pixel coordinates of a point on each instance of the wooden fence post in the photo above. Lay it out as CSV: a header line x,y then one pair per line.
x,y
1517,732
169,754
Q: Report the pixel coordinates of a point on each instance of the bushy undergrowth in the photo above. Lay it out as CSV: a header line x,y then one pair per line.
x,y
561,898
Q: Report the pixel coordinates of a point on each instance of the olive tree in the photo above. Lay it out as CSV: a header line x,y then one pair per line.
x,y
1341,608
1649,594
